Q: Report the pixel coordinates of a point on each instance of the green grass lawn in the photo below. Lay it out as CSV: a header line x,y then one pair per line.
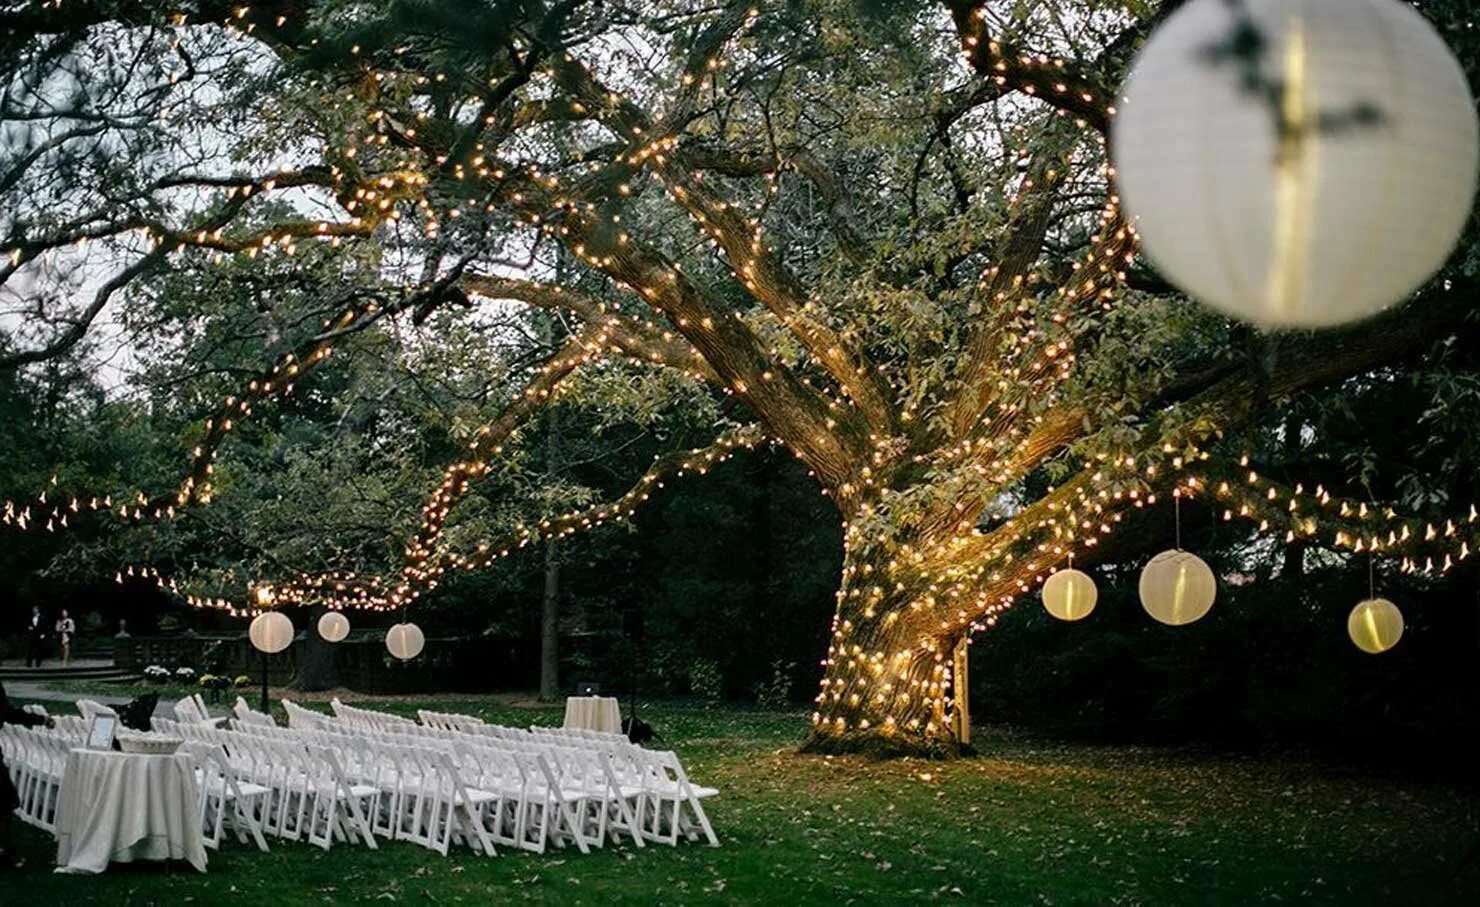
x,y
1027,823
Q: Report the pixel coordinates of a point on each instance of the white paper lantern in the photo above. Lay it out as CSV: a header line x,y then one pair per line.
x,y
405,641
333,626
270,632
1375,625
1338,222
1070,595
1178,587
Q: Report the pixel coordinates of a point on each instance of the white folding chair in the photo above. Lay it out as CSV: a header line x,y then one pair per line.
x,y
226,799
87,708
667,792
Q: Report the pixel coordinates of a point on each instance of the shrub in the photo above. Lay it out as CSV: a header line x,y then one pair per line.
x,y
776,692
705,681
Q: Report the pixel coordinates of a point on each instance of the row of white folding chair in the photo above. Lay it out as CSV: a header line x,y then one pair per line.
x,y
660,774
666,791
665,806
423,796
663,790
310,794
577,785
669,804
448,721
71,725
368,717
533,806
37,759
245,714
495,782
579,734
226,799
299,717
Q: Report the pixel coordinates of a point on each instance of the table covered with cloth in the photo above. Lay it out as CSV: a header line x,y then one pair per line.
x,y
121,807
593,713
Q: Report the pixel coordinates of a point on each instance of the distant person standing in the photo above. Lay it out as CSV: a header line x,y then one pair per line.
x,y
35,639
66,628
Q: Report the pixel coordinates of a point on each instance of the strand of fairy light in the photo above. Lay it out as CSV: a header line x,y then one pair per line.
x,y
280,380
1187,485
697,461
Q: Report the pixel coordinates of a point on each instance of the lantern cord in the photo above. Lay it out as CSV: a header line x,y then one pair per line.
x,y
1371,575
1177,510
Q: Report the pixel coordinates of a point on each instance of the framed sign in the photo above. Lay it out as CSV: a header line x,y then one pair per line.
x,y
100,732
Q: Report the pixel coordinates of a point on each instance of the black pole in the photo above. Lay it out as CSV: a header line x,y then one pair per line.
x,y
264,683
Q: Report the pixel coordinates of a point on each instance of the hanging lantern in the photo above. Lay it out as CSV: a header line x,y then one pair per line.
x,y
1297,163
405,641
333,626
1178,587
1375,625
270,632
1070,595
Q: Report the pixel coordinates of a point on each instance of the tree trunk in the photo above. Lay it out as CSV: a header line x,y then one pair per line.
x,y
550,626
886,688
316,669
550,604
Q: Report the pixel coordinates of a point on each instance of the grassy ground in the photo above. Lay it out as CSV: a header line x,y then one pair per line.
x,y
1028,823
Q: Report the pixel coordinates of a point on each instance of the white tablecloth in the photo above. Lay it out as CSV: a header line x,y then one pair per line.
x,y
120,807
593,713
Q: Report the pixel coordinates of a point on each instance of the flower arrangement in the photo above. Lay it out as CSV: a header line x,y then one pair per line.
x,y
157,673
242,680
215,685
184,674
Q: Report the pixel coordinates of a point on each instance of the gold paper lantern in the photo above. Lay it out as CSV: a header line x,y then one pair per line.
x,y
1178,587
1297,163
270,632
1070,595
1375,625
405,641
333,626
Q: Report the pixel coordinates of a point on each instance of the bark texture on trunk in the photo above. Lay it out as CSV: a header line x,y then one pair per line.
x,y
550,626
887,685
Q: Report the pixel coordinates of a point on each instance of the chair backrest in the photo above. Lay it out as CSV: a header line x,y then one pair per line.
x,y
299,717
245,714
187,711
87,708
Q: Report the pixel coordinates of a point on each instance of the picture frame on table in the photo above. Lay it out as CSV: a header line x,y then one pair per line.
x,y
100,732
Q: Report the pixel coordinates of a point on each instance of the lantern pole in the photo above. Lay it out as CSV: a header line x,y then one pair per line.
x,y
264,683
